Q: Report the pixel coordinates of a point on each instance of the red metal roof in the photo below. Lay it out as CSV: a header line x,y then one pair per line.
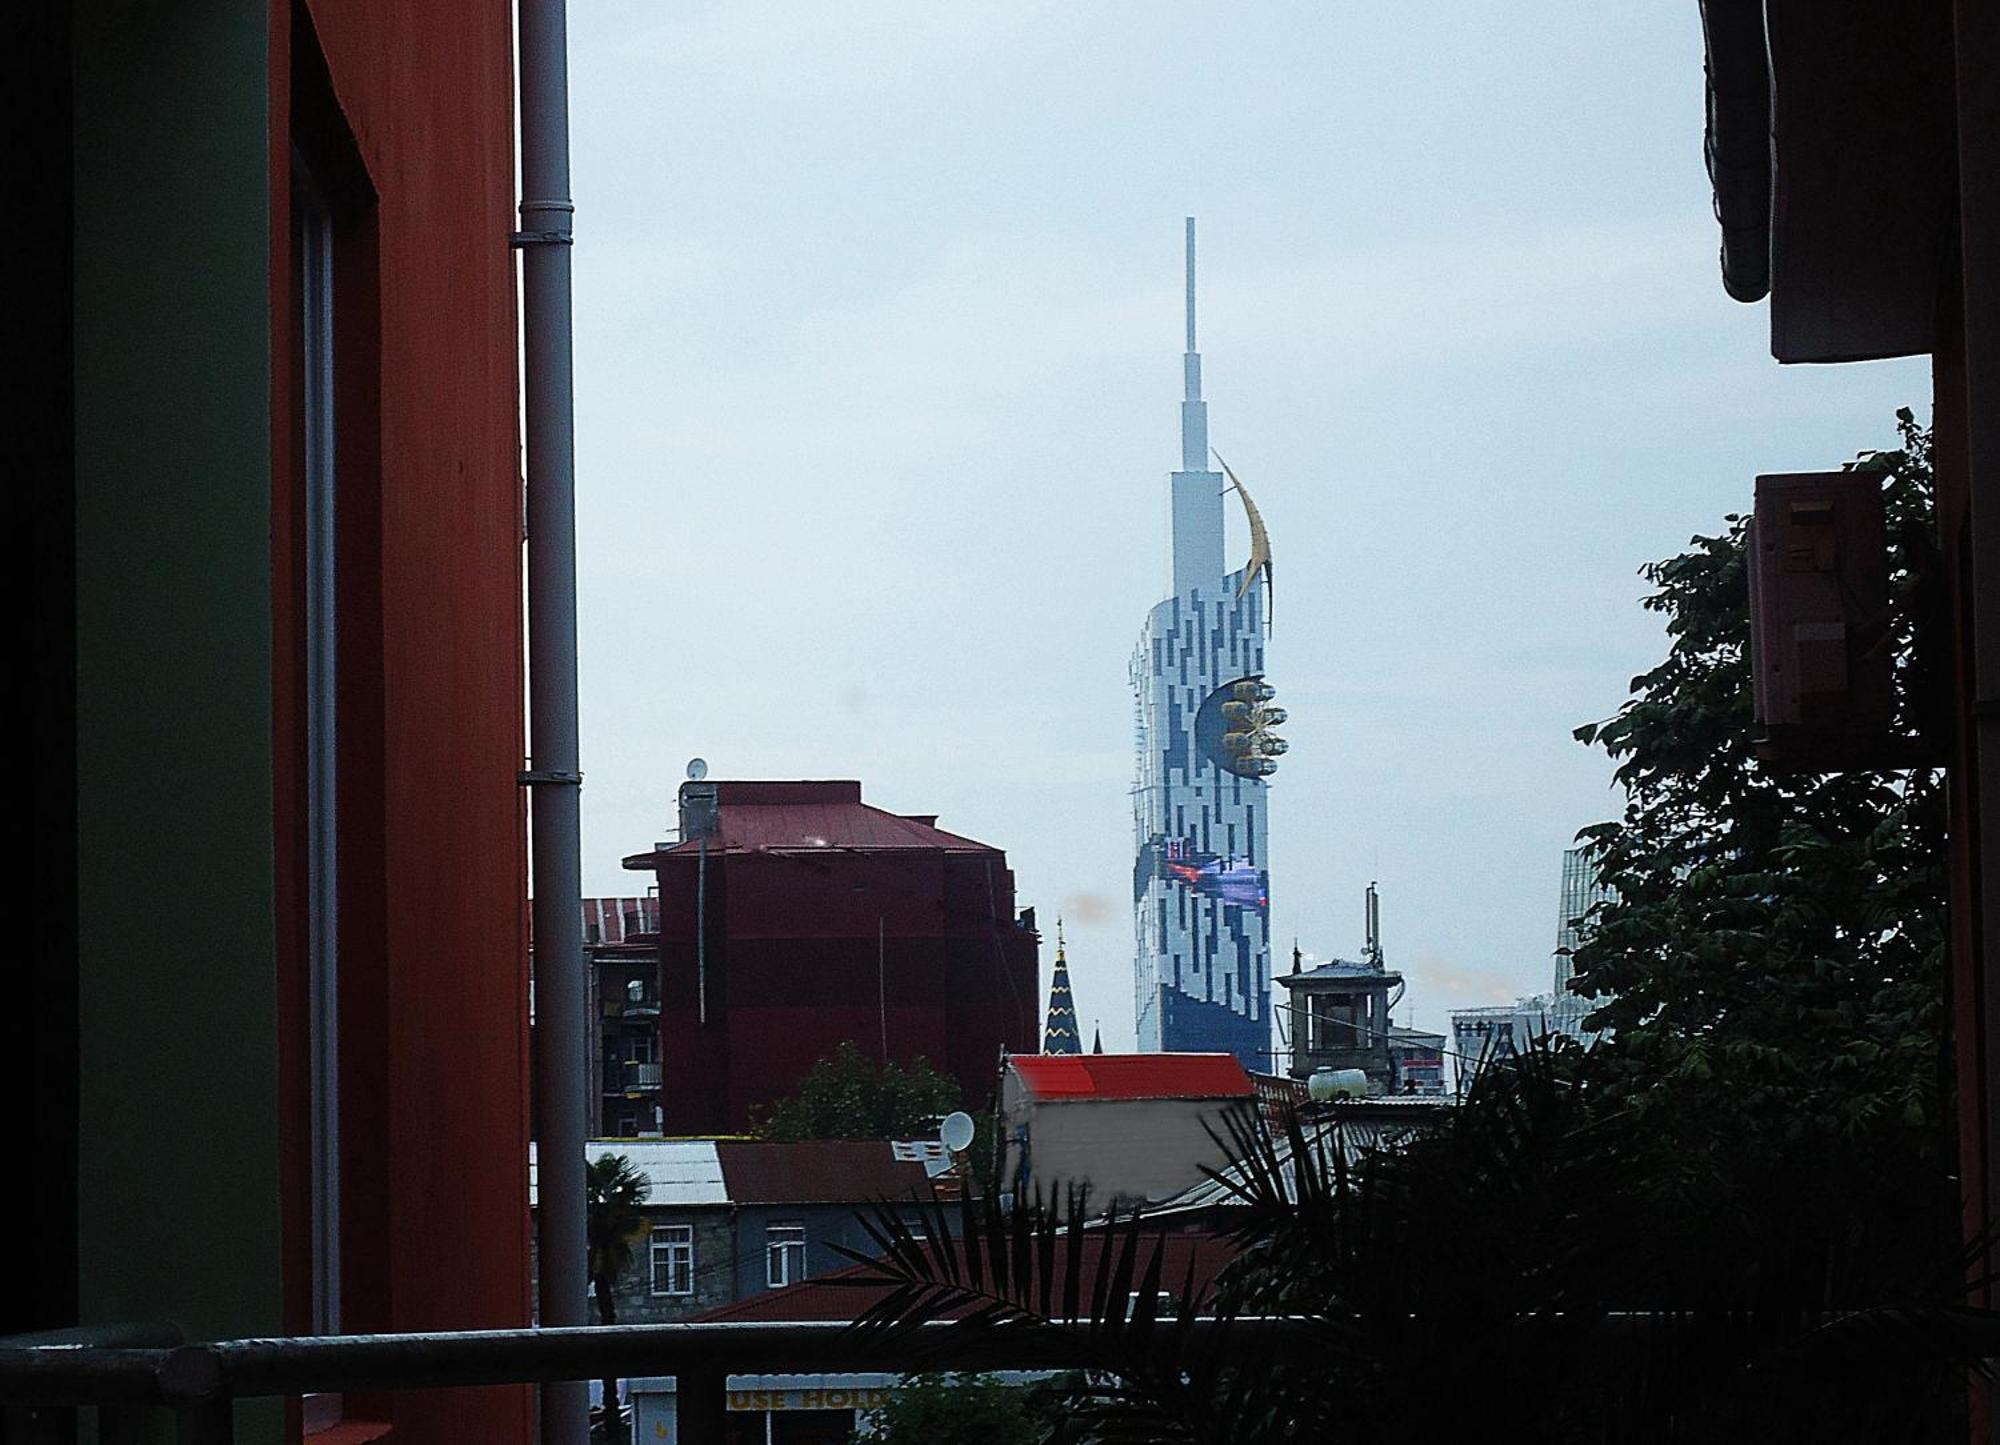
x,y
613,920
1132,1076
833,1297
817,1171
796,815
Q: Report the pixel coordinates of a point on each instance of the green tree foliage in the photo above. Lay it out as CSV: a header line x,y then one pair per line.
x,y
961,1409
1772,964
1509,1276
855,1096
612,1226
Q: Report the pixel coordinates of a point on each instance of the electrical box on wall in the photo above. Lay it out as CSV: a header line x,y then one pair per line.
x,y
1820,644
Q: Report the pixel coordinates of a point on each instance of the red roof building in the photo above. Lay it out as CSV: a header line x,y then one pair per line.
x,y
1132,1076
1130,1128
794,917
620,940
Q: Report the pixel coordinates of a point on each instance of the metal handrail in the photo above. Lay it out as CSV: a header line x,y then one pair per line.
x,y
201,1382
310,1364
124,1335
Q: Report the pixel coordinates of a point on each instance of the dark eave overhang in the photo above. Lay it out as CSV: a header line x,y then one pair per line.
x,y
1736,140
1830,148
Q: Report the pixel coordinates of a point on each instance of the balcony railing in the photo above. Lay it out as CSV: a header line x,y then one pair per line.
x,y
642,1076
630,1008
201,1383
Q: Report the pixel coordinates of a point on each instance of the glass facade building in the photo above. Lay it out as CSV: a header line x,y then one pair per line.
x,y
1201,876
1580,893
1482,1036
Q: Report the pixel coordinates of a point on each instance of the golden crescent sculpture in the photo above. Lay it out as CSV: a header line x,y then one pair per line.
x,y
1260,540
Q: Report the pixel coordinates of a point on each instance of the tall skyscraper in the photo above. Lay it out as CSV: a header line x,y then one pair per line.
x,y
1482,1036
1580,893
1201,879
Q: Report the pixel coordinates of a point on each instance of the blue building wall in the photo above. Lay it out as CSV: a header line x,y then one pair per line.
x,y
828,1227
730,1253
1201,869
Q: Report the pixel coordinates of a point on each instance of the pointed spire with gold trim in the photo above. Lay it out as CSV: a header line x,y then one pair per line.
x,y
1060,1035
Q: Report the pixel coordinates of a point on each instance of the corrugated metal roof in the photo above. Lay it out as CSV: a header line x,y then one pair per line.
x,y
613,920
1132,1076
686,1172
754,816
818,1171
1340,968
680,1171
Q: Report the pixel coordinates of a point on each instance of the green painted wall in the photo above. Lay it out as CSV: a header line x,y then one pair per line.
x,y
178,1193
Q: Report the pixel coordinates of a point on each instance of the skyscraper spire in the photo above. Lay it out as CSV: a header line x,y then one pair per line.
x,y
1059,1035
1196,392
1196,491
1194,411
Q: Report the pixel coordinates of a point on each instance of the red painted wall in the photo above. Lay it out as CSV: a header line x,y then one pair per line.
x,y
434,1047
803,950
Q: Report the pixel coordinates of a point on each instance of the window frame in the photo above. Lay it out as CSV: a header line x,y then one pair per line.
x,y
313,244
670,1241
778,1264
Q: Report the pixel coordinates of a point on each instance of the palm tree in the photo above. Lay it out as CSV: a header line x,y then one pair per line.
x,y
613,1225
1544,1265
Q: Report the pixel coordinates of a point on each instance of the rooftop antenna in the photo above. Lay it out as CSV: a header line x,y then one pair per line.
x,y
1371,949
1194,415
1196,392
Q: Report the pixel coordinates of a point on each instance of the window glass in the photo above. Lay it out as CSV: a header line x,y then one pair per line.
x,y
673,1259
785,1254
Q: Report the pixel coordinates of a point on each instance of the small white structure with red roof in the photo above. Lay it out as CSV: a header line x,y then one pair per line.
x,y
1132,1128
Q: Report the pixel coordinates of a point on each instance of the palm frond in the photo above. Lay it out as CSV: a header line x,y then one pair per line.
x,y
1539,1221
1092,1286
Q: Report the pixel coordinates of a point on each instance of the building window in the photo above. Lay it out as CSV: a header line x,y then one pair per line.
x,y
673,1259
784,1254
333,666
313,256
1337,1024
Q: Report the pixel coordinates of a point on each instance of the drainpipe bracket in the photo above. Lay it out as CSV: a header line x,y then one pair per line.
x,y
560,776
518,239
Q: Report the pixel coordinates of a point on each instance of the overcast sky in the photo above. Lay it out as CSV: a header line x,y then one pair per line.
x,y
878,339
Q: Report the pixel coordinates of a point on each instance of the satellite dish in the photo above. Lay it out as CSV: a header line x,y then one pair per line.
x,y
697,769
956,1131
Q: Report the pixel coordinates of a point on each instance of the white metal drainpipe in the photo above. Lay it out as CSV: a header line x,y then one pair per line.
x,y
553,774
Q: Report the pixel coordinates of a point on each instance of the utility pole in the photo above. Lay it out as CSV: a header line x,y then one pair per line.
x,y
554,775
